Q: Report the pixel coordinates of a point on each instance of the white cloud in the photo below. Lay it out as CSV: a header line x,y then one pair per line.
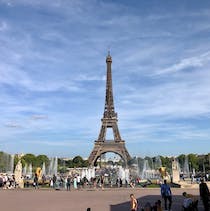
x,y
13,125
198,62
12,76
172,100
39,117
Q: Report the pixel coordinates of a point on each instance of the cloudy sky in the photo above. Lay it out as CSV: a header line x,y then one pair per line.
x,y
52,75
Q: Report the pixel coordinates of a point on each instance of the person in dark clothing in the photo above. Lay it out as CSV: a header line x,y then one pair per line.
x,y
36,181
68,185
54,180
120,182
166,194
204,194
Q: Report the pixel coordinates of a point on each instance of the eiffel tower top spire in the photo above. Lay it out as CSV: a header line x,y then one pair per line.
x,y
109,101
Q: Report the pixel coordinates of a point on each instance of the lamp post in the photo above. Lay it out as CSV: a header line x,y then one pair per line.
x,y
190,167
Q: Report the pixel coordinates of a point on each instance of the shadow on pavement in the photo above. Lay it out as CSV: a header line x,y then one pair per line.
x,y
177,201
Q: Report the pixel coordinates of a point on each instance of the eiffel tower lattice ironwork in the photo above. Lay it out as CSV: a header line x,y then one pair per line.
x,y
109,120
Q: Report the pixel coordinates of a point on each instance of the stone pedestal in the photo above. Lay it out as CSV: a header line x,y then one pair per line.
x,y
18,174
175,171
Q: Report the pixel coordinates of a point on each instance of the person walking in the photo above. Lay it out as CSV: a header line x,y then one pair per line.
x,y
204,194
68,184
78,181
75,182
166,195
54,180
36,181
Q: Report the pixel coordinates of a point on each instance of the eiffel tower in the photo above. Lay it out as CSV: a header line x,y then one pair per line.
x,y
109,120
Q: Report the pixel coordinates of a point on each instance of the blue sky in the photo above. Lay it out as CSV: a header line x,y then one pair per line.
x,y
52,75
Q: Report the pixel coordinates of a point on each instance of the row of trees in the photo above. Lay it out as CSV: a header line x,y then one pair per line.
x,y
76,162
201,163
37,161
63,164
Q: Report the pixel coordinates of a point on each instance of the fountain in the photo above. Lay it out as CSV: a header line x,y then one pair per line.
x,y
86,172
151,173
7,163
137,166
11,164
43,169
25,169
124,174
29,171
186,170
146,172
158,162
53,167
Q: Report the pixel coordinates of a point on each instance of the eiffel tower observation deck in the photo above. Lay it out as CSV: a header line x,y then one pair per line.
x,y
109,120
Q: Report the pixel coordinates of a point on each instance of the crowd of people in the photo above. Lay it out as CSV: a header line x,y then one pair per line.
x,y
77,182
190,202
7,181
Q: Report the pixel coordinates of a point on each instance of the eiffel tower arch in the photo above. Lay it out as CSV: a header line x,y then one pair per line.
x,y
109,120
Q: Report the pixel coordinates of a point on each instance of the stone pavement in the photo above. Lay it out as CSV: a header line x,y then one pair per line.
x,y
80,200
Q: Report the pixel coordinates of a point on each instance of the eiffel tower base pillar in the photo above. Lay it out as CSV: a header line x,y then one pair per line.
x,y
101,147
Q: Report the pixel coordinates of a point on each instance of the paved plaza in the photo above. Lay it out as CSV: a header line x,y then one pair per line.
x,y
80,200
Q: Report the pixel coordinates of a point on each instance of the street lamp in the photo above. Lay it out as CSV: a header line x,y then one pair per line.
x,y
190,167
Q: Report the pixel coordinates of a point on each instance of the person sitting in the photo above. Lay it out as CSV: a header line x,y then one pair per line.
x,y
159,207
147,207
190,202
187,204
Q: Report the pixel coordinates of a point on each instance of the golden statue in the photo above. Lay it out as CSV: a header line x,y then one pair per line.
x,y
162,171
39,172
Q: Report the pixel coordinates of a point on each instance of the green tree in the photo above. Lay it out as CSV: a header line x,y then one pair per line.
x,y
181,160
78,161
40,159
193,162
29,158
203,163
69,164
85,163
208,162
2,162
166,162
62,169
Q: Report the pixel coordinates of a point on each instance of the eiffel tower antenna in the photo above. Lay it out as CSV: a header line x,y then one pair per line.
x,y
109,49
109,120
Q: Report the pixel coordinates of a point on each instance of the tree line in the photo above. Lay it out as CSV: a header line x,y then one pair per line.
x,y
201,163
